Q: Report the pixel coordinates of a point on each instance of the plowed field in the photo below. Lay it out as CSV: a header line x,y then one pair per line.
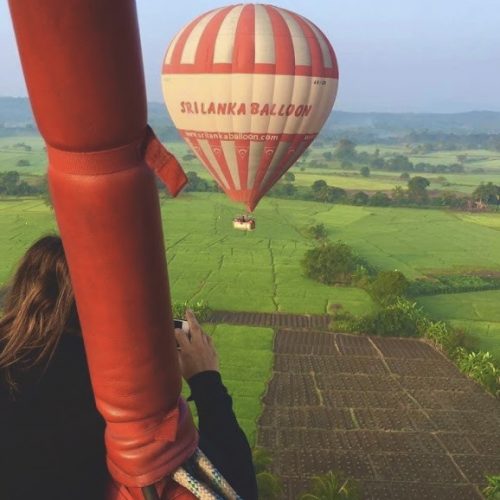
x,y
392,413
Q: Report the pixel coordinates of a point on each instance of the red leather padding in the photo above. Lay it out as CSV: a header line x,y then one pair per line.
x,y
83,68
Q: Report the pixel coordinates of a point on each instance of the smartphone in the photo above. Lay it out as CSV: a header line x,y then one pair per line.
x,y
182,325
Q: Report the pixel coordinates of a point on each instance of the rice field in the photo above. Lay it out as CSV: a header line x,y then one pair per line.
x,y
246,357
477,313
260,271
12,151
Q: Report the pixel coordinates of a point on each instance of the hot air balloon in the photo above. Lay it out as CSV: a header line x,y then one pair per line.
x,y
249,87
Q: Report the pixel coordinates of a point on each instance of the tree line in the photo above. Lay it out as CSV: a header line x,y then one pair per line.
x,y
345,152
11,184
423,141
415,194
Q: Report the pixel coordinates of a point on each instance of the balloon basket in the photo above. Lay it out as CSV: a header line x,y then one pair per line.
x,y
244,223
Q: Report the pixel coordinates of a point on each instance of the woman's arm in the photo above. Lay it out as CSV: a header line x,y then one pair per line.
x,y
221,437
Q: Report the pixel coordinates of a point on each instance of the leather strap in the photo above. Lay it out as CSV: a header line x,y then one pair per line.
x,y
147,149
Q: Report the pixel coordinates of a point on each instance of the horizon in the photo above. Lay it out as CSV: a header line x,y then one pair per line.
x,y
413,58
335,110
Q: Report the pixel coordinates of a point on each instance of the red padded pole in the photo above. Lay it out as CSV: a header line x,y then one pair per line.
x,y
83,68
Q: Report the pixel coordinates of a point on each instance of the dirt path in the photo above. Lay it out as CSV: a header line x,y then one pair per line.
x,y
393,413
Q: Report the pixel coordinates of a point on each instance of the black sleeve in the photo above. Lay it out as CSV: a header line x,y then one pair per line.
x,y
221,438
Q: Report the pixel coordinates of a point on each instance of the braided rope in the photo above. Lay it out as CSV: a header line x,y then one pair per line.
x,y
199,476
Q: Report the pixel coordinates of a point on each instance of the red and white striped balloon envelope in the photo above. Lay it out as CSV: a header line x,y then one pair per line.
x,y
249,87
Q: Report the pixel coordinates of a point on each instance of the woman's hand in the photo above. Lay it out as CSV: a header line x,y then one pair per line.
x,y
196,351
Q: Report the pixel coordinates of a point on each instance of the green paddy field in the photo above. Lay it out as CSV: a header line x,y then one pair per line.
x,y
260,271
12,151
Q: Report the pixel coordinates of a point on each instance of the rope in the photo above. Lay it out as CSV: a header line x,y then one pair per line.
x,y
199,476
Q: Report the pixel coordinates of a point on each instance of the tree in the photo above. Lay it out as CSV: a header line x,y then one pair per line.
x,y
23,163
9,182
345,150
399,319
417,189
285,189
364,171
449,199
318,231
328,155
196,183
189,157
46,196
335,194
405,176
305,155
487,193
377,163
318,185
398,195
330,263
360,198
399,163
289,177
388,286
330,194
380,199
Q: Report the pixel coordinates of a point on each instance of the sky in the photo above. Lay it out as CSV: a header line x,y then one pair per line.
x,y
394,55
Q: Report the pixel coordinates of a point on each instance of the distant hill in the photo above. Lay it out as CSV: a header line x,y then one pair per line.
x,y
16,112
486,122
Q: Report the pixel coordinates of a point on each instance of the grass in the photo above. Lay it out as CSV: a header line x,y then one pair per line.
x,y
477,158
386,181
10,155
260,271
415,242
485,219
333,175
234,270
478,313
245,361
350,180
21,223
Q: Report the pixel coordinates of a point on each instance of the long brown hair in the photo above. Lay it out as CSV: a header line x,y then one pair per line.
x,y
39,306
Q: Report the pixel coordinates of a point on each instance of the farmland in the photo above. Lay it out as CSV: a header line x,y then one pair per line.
x,y
478,313
261,271
12,150
244,350
392,413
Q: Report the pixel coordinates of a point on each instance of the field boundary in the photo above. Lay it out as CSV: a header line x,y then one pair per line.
x,y
395,414
272,320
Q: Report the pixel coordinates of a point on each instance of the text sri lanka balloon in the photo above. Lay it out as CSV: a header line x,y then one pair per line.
x,y
249,87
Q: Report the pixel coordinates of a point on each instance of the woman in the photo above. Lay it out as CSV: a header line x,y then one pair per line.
x,y
51,434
